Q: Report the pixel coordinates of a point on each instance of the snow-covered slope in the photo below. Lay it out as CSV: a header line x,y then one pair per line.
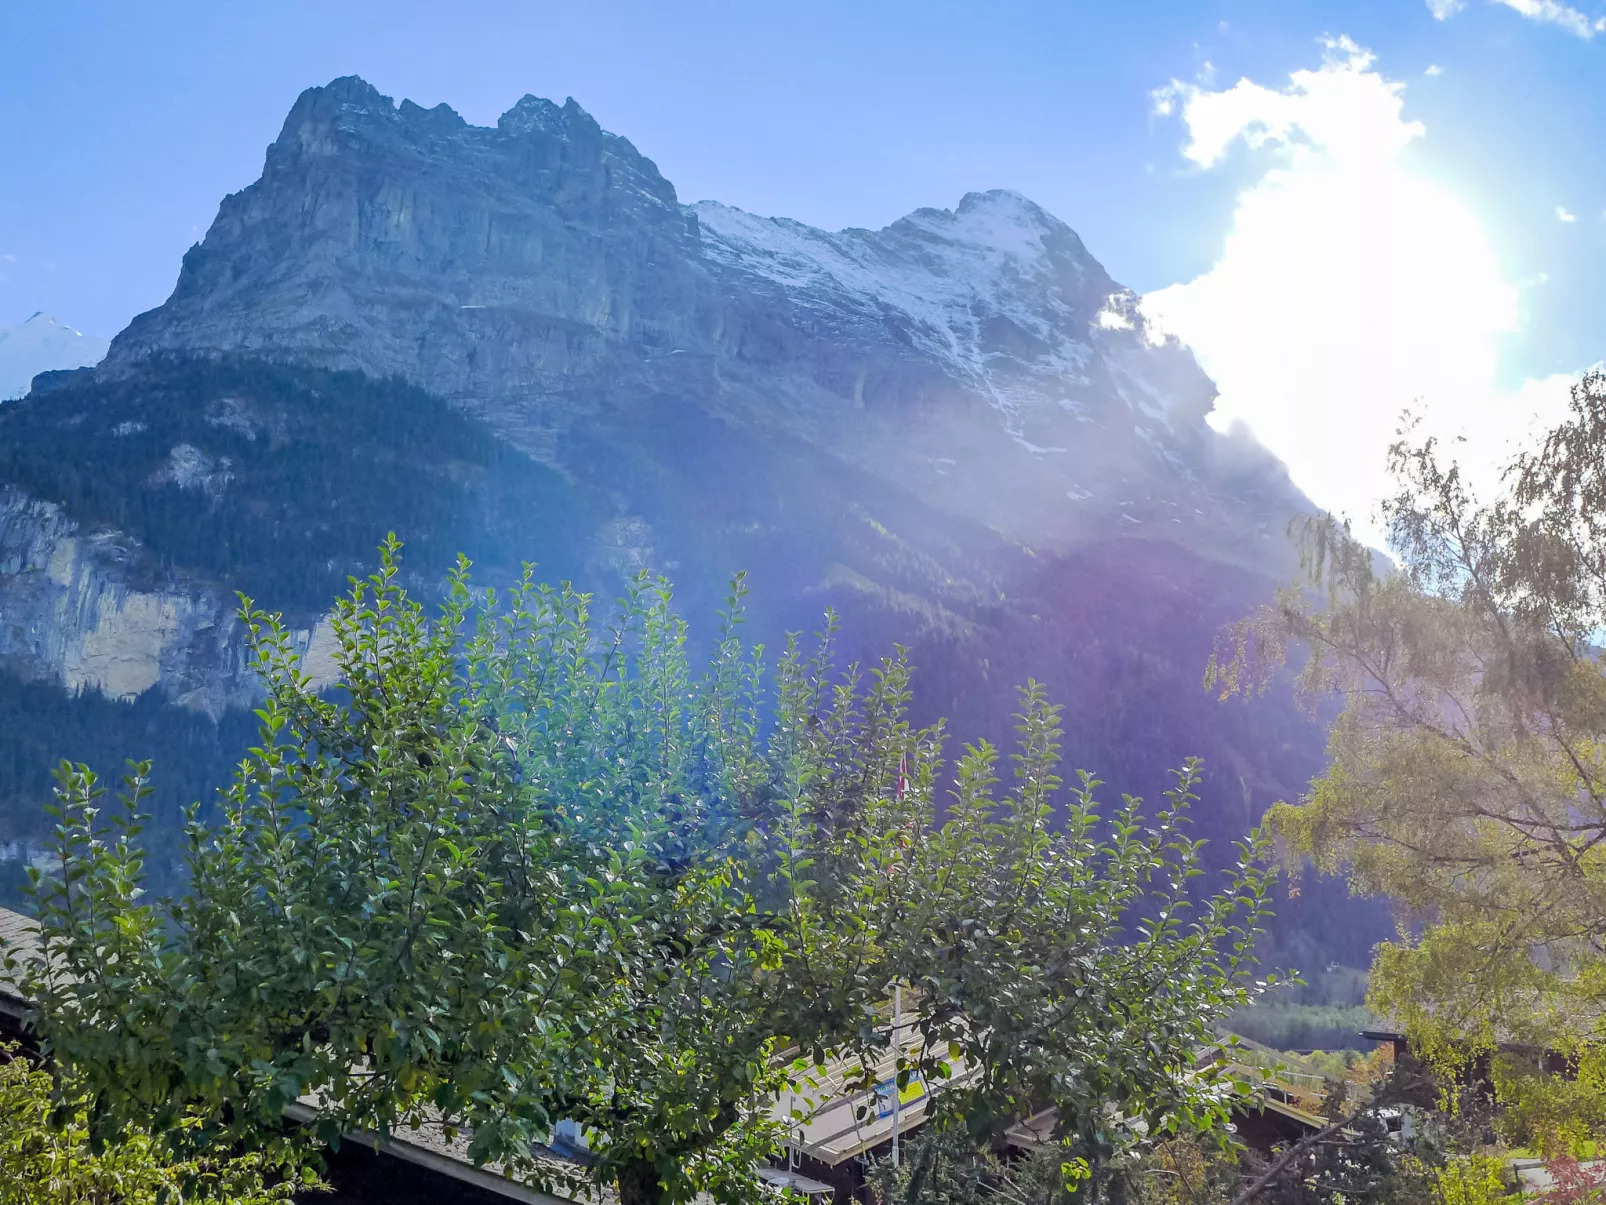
x,y
996,283
41,344
999,302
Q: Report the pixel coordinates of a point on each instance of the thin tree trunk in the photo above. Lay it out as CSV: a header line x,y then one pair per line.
x,y
639,1183
1288,1156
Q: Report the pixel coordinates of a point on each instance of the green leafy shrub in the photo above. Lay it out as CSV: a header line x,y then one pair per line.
x,y
1472,1180
520,867
1554,1114
47,1154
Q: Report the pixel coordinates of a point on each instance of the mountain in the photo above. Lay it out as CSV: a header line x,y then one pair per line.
x,y
541,275
42,344
517,341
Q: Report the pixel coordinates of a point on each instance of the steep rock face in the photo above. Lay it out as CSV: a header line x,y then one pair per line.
x,y
86,611
536,259
543,276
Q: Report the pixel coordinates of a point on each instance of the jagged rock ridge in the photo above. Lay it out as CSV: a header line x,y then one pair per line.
x,y
542,275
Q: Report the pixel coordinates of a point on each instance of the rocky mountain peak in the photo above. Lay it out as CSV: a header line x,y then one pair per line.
x,y
1005,200
351,90
349,103
536,114
1010,223
542,274
351,119
1003,219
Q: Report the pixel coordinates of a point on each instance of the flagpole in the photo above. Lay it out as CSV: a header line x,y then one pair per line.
x,y
897,1090
897,996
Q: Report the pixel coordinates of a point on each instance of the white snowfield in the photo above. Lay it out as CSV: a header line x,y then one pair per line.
x,y
950,276
42,344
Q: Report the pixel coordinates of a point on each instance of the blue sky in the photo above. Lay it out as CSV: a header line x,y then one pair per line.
x,y
123,125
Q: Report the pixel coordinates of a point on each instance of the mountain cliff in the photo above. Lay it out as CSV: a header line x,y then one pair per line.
x,y
518,342
542,276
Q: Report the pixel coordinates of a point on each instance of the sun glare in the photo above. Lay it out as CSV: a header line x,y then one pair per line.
x,y
1348,288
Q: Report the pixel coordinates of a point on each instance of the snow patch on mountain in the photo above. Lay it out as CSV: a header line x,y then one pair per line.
x,y
42,344
989,289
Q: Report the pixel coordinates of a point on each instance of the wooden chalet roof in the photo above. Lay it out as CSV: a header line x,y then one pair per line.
x,y
19,941
429,1146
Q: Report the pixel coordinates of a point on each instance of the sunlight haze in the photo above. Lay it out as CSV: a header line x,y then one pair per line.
x,y
1350,290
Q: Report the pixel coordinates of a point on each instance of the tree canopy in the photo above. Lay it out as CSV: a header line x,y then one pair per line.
x,y
1467,768
47,1153
522,866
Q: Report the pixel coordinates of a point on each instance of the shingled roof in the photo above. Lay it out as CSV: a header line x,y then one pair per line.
x,y
19,941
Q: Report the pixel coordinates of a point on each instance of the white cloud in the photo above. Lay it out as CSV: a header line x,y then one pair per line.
x,y
1344,110
1348,288
1547,12
1433,69
1564,215
1552,13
